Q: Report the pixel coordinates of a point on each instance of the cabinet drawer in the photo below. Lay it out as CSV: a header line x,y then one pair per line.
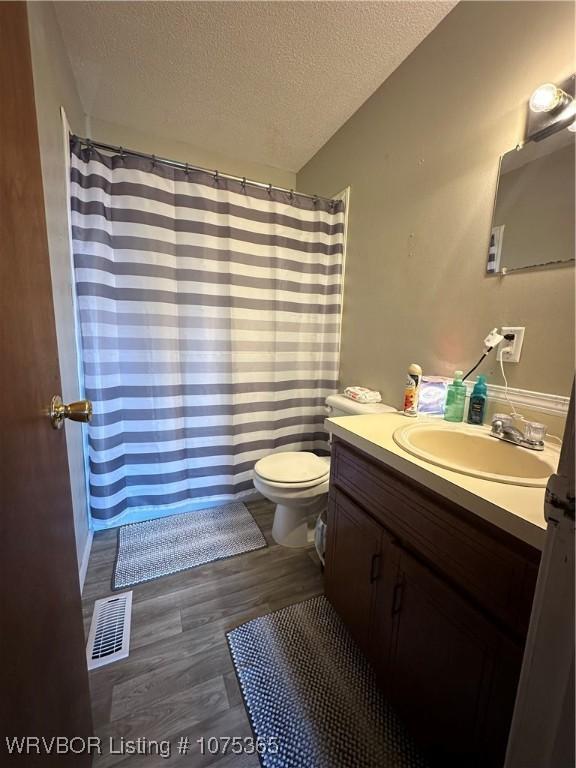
x,y
498,571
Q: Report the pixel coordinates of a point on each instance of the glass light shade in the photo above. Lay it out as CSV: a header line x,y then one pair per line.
x,y
545,98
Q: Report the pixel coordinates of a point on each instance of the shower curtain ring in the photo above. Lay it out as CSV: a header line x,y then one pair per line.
x,y
122,154
186,169
243,183
153,161
216,177
291,195
316,200
270,190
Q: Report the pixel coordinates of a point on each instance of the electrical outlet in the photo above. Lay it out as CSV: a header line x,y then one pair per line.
x,y
509,351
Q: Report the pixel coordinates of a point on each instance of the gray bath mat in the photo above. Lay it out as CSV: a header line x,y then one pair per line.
x,y
311,695
170,544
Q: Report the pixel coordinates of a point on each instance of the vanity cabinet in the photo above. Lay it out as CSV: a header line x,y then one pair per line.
x,y
437,599
358,541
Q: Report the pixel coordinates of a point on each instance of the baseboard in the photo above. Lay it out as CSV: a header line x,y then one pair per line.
x,y
85,559
556,405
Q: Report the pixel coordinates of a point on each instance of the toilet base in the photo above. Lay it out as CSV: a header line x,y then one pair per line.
x,y
290,527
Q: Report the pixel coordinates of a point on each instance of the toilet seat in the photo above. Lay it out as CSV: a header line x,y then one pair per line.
x,y
293,469
292,488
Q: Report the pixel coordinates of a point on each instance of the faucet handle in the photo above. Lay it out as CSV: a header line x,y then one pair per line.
x,y
500,421
497,426
535,433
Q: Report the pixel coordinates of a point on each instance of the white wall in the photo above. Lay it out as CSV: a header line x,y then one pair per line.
x,y
54,86
421,159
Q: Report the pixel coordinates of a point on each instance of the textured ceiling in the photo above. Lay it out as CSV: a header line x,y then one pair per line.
x,y
269,81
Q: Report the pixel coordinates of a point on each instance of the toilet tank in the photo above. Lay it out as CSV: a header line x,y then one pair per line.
x,y
338,405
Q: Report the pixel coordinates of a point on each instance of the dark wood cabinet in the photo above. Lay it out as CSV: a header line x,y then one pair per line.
x,y
358,541
441,666
443,628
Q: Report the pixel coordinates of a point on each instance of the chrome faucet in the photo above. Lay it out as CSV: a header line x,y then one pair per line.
x,y
532,438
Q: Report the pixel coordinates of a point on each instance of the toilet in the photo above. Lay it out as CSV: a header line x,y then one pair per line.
x,y
297,481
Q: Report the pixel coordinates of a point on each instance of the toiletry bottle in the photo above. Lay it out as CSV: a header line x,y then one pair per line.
x,y
455,399
411,390
478,399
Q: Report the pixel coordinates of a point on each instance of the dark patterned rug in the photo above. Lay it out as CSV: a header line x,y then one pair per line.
x,y
311,695
157,548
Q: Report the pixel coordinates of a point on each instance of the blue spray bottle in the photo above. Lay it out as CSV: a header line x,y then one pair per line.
x,y
478,399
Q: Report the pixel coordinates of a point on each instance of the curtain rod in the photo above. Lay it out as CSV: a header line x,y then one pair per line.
x,y
89,143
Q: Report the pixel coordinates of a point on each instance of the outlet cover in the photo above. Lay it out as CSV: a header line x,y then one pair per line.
x,y
509,351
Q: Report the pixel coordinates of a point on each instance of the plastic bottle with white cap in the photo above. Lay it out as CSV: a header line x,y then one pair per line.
x,y
412,390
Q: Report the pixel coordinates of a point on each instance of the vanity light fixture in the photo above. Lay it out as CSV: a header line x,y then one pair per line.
x,y
549,98
551,108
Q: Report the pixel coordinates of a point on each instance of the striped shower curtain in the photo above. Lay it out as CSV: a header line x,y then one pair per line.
x,y
209,315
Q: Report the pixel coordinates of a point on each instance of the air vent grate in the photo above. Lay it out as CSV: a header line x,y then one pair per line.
x,y
109,636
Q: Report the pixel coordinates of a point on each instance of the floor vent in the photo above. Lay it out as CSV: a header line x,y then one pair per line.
x,y
109,637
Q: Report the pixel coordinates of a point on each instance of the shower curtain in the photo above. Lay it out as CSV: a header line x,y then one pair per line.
x,y
209,316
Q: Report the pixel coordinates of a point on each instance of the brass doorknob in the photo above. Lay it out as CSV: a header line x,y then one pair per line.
x,y
80,411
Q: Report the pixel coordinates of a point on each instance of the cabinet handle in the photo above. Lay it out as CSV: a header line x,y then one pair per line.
x,y
397,597
375,567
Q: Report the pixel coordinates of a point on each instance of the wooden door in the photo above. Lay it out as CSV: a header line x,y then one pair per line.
x,y
355,552
448,667
44,687
544,715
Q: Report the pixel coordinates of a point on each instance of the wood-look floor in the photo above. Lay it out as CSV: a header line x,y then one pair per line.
x,y
178,679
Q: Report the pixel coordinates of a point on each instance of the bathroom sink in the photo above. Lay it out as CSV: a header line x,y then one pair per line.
x,y
472,451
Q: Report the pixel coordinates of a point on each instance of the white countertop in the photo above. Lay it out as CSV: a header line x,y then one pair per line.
x,y
516,509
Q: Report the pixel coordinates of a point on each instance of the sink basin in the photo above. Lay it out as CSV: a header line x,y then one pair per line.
x,y
472,451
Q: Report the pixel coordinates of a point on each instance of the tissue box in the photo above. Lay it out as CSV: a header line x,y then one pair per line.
x,y
432,395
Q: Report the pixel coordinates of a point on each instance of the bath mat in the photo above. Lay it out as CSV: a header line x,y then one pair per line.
x,y
160,547
311,695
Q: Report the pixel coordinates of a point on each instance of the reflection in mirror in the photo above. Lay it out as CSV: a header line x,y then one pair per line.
x,y
533,223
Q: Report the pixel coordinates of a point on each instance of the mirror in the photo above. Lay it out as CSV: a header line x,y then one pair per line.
x,y
533,221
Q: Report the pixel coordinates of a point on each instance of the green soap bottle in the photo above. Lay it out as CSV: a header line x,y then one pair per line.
x,y
455,399
478,399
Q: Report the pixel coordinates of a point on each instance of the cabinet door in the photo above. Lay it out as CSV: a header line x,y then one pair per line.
x,y
445,672
354,555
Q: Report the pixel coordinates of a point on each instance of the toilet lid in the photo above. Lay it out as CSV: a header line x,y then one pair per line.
x,y
292,467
